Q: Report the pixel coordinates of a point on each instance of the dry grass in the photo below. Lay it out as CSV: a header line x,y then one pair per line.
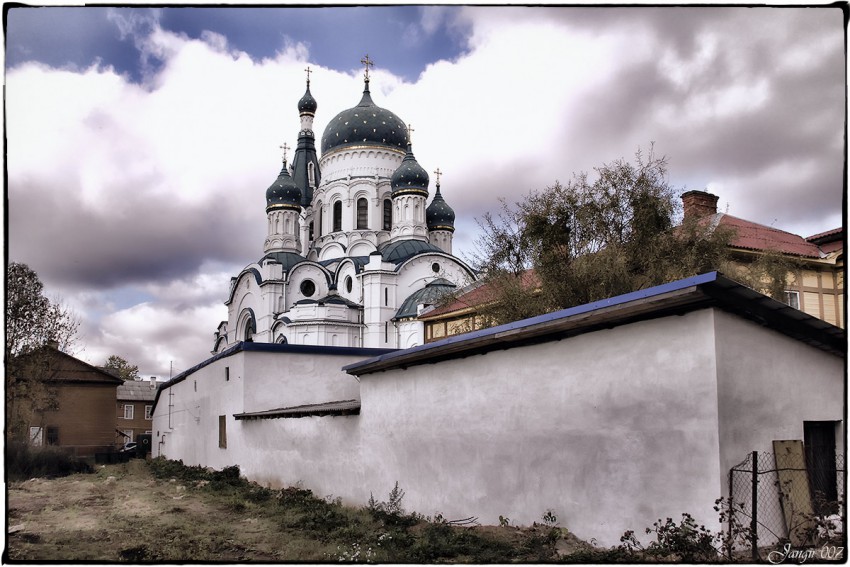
x,y
124,512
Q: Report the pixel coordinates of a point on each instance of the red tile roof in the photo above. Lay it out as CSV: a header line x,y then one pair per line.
x,y
753,236
837,233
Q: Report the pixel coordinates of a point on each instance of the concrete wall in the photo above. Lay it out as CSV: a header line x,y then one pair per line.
x,y
320,453
610,430
185,421
768,385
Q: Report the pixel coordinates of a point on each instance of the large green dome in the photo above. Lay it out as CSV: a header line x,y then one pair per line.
x,y
365,124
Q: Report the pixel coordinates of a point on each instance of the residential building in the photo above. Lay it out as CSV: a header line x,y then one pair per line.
x,y
83,420
134,408
816,286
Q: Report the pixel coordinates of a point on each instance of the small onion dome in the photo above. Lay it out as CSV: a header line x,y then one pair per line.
x,y
307,104
283,193
365,124
439,215
410,177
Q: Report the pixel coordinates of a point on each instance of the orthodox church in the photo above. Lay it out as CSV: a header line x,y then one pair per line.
x,y
353,249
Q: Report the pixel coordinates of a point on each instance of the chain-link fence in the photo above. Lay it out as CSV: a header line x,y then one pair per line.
x,y
775,499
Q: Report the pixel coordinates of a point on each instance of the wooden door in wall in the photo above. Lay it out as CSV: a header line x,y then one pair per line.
x,y
819,442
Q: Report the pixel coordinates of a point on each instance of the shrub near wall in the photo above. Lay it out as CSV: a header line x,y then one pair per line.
x,y
25,461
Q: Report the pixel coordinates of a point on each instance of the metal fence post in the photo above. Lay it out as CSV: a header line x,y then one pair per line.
x,y
730,542
755,507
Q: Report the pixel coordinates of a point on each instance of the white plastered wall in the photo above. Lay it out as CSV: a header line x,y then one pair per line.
x,y
610,430
767,397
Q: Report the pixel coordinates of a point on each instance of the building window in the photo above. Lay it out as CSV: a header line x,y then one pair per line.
x,y
388,214
36,434
319,219
362,213
128,435
222,431
128,411
308,288
148,412
349,284
337,220
52,435
310,234
250,329
311,173
227,374
792,298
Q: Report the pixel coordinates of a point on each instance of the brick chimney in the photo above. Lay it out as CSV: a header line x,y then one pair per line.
x,y
698,204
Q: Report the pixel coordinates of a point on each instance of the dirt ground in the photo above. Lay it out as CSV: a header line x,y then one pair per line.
x,y
123,513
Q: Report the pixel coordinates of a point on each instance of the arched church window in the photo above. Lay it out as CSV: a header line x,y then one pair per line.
x,y
281,340
349,284
337,216
310,237
250,329
311,174
388,214
362,213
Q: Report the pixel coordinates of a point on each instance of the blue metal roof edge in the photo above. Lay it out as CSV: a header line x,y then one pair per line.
x,y
570,311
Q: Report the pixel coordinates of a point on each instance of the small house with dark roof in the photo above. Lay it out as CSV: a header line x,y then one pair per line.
x,y
610,415
82,420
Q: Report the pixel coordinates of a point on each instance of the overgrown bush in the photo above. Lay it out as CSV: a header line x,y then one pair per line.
x,y
24,461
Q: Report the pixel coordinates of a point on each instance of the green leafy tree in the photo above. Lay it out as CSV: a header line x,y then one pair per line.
x,y
589,240
34,326
122,368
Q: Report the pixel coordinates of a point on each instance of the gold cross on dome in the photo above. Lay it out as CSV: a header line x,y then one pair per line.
x,y
438,173
308,74
285,148
410,131
368,63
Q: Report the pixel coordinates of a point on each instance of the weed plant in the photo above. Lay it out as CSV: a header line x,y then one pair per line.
x,y
24,461
381,532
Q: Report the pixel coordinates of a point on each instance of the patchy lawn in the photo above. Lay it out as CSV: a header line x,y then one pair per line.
x,y
163,511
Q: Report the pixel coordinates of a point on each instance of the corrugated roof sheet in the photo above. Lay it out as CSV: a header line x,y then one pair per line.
x,y
829,234
345,407
137,391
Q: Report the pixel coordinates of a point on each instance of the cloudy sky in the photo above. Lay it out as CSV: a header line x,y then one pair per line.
x,y
141,140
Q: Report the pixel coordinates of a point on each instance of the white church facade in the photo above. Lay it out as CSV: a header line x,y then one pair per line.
x,y
353,248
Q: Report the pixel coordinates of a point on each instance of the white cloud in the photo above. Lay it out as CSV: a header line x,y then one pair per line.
x,y
154,193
